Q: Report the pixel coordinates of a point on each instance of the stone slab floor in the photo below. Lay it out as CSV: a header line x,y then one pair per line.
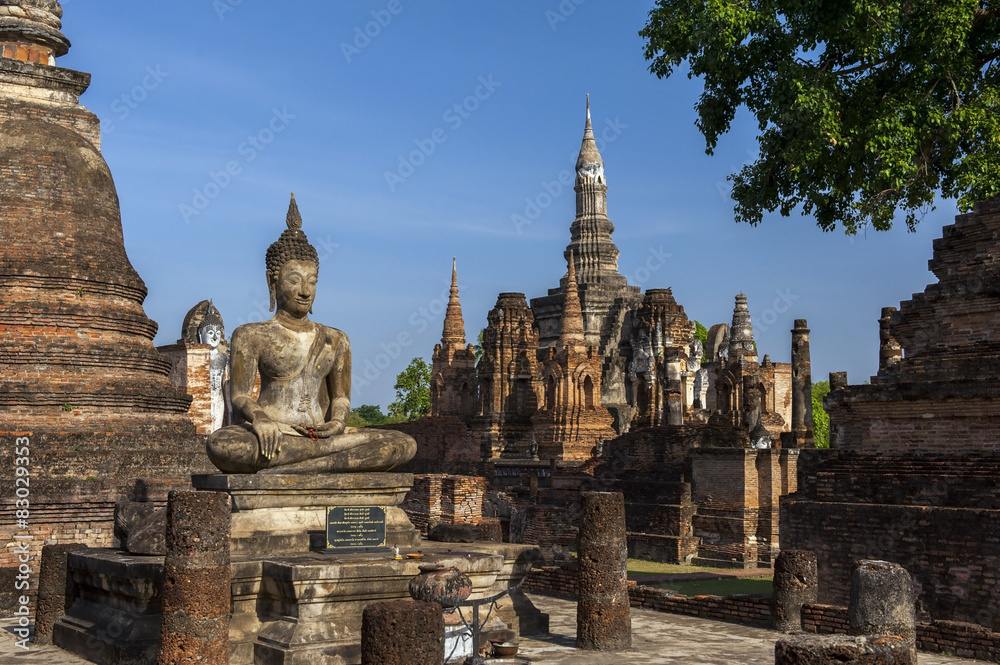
x,y
656,638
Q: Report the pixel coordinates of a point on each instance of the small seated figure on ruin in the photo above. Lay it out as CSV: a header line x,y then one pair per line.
x,y
298,424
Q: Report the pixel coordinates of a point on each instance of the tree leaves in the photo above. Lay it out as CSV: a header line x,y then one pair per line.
x,y
866,108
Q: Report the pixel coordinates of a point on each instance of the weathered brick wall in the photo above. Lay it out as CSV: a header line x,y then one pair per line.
x,y
967,640
189,372
445,499
444,445
553,528
953,555
462,499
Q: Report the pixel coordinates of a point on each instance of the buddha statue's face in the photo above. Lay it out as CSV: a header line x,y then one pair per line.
x,y
210,335
295,288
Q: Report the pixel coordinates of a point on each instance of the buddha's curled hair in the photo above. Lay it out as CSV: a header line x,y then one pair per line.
x,y
291,246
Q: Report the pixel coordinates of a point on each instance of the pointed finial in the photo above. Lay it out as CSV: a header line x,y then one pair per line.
x,y
293,219
588,131
454,327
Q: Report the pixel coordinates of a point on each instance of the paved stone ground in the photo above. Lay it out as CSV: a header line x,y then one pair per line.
x,y
657,639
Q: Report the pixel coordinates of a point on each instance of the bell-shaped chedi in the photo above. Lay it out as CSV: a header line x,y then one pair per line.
x,y
77,363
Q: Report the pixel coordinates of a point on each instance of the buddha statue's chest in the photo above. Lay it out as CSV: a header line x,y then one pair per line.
x,y
296,354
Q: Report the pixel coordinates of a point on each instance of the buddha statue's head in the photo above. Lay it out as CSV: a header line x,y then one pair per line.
x,y
210,329
292,267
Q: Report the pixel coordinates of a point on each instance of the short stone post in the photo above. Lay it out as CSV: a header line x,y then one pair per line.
x,y
490,530
197,580
883,602
796,583
603,620
52,599
402,632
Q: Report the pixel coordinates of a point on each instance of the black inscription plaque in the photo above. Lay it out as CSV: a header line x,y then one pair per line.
x,y
355,529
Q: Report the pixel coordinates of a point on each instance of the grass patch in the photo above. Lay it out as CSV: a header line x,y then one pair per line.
x,y
729,586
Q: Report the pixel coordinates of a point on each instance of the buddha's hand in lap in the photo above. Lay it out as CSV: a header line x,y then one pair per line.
x,y
268,437
324,431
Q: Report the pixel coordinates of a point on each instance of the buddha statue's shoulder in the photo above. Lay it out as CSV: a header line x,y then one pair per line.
x,y
335,337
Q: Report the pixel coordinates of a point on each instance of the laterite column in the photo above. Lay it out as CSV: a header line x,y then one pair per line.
x,y
603,622
52,589
196,580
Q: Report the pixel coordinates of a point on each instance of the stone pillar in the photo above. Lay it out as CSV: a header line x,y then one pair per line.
x,y
603,622
889,350
802,415
402,632
838,380
883,602
796,583
52,597
197,580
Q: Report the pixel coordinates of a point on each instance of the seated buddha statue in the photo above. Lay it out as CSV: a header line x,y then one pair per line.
x,y
298,423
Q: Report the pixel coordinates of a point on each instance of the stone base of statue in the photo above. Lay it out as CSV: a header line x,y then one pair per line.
x,y
292,604
275,512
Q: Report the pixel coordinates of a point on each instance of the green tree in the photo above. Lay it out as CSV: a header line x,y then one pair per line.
x,y
863,107
365,415
413,392
821,420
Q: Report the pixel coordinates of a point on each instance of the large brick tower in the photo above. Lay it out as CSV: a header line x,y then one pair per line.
x,y
81,378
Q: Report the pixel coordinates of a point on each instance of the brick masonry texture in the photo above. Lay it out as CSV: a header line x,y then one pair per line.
x,y
444,499
82,379
914,476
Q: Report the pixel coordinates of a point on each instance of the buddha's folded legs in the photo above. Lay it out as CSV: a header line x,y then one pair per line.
x,y
235,449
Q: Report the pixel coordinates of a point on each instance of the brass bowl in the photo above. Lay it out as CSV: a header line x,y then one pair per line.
x,y
504,649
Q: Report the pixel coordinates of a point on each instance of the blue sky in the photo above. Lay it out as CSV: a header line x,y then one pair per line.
x,y
214,111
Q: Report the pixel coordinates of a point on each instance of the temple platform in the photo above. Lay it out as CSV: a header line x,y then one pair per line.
x,y
291,604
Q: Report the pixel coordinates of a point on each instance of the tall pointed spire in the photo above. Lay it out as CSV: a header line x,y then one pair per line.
x,y
590,164
31,30
571,331
454,326
591,242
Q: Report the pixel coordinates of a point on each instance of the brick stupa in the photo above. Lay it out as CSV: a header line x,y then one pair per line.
x,y
913,476
79,370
